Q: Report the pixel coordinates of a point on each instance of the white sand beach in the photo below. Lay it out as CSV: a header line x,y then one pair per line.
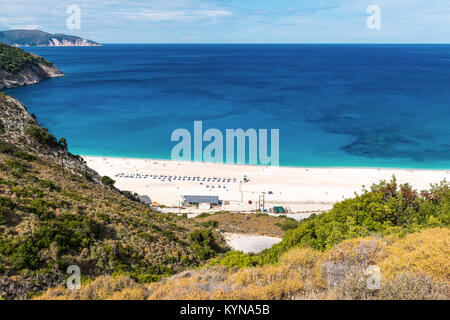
x,y
299,190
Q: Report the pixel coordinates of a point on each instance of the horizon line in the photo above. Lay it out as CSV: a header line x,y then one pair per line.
x,y
279,43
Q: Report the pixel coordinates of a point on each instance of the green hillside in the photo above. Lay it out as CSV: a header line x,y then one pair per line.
x,y
14,59
53,216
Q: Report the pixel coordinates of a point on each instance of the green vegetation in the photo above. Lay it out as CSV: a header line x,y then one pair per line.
x,y
8,148
288,224
204,243
14,59
42,136
49,221
107,181
385,209
210,224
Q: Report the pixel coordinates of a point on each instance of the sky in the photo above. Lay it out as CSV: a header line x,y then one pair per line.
x,y
236,21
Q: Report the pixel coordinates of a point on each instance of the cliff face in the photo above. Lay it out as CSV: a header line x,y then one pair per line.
x,y
18,68
55,42
26,38
30,74
19,128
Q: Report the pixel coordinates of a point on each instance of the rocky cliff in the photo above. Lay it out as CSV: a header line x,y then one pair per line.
x,y
18,68
19,128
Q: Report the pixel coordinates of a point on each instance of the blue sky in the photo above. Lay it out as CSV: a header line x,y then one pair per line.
x,y
236,21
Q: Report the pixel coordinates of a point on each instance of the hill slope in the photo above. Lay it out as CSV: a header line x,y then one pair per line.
x,y
18,68
42,39
415,267
55,213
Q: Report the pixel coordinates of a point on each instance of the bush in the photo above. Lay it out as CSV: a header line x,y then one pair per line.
x,y
407,286
3,219
203,243
288,224
210,224
25,255
6,203
49,185
42,208
8,148
349,260
203,215
41,136
107,181
237,259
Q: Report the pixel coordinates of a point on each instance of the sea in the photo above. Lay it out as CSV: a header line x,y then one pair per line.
x,y
335,105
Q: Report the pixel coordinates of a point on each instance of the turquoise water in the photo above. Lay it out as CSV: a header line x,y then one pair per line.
x,y
335,105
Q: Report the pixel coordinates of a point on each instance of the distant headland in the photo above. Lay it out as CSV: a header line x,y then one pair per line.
x,y
37,38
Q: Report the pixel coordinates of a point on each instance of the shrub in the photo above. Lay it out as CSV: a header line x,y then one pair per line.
x,y
8,148
407,286
6,203
25,255
49,185
107,181
3,219
41,136
42,208
203,243
210,224
203,215
237,259
350,259
70,232
288,224
16,167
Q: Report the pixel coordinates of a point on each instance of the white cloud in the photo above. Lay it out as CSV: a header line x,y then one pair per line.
x,y
170,15
26,27
214,13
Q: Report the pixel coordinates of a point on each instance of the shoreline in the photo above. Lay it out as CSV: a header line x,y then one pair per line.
x,y
300,190
268,166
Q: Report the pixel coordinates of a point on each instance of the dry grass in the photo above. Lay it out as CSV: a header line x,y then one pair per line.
x,y
103,288
415,267
247,223
427,252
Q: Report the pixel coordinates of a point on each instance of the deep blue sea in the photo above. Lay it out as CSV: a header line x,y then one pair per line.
x,y
335,105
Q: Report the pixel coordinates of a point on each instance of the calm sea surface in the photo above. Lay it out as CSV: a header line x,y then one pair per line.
x,y
335,105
